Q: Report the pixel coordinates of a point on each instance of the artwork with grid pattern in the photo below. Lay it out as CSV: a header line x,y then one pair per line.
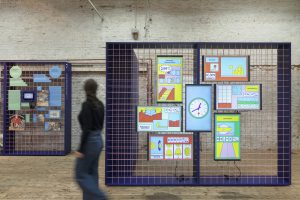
x,y
36,108
265,134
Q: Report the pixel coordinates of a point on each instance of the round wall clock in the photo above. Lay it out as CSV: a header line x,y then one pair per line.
x,y
198,108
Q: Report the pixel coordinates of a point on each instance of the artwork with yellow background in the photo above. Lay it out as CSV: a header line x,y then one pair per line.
x,y
169,79
170,147
227,136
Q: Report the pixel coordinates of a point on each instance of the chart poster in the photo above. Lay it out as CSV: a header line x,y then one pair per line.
x,y
171,147
169,79
227,136
159,119
238,97
225,68
198,108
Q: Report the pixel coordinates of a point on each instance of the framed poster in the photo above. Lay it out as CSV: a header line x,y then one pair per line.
x,y
198,107
17,122
225,68
55,95
156,147
227,136
159,119
52,126
170,147
169,79
42,98
238,97
28,96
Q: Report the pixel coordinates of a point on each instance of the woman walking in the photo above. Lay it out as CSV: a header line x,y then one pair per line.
x,y
91,119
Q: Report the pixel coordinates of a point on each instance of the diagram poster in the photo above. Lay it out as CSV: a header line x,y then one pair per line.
x,y
238,97
227,136
171,147
225,68
198,107
169,79
159,119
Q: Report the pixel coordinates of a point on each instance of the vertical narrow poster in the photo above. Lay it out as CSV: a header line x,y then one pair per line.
x,y
55,95
227,136
156,148
14,100
198,108
169,79
42,98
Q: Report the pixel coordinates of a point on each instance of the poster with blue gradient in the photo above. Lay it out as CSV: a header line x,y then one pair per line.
x,y
55,95
198,107
156,147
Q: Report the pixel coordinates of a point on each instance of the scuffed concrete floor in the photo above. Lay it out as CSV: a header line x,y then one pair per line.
x,y
24,178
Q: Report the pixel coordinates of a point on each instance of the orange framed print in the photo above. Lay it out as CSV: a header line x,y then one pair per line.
x,y
225,68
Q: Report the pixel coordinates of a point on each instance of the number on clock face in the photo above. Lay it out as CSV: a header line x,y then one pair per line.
x,y
198,108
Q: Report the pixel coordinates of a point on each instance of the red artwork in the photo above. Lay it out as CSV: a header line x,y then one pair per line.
x,y
17,123
143,117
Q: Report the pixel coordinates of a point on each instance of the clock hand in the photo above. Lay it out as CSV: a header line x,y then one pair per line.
x,y
199,106
195,109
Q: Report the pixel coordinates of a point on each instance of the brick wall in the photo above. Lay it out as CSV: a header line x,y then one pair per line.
x,y
71,29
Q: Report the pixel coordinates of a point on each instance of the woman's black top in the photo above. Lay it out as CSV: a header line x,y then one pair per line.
x,y
91,118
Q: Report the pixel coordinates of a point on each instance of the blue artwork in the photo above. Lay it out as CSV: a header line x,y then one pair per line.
x,y
41,78
212,59
41,108
55,72
156,147
198,108
234,67
55,95
34,118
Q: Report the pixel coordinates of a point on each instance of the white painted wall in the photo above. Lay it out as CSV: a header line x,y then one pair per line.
x,y
71,29
45,29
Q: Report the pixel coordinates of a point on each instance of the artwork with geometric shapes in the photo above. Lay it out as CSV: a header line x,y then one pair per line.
x,y
238,97
169,79
225,68
227,136
171,147
159,119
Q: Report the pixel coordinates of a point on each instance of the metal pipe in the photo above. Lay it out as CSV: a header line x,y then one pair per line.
x,y
96,10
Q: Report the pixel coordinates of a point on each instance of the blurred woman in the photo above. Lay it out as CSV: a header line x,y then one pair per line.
x,y
91,119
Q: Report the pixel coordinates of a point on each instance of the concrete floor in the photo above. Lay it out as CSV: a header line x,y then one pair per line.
x,y
23,178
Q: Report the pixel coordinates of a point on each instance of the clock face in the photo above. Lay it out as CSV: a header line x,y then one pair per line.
x,y
198,108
